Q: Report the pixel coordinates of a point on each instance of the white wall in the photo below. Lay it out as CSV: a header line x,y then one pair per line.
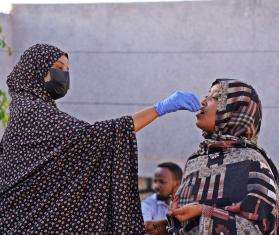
x,y
126,56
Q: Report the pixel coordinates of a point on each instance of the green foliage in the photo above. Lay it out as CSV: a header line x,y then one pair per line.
x,y
3,43
4,104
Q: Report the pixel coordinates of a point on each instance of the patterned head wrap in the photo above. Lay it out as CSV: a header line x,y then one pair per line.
x,y
27,76
229,161
239,111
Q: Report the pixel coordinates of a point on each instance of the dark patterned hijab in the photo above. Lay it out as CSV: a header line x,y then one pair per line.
x,y
238,118
27,76
59,174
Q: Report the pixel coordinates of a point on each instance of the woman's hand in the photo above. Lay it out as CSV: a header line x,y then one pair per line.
x,y
178,101
186,212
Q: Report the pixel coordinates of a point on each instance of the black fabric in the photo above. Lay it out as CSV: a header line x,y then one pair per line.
x,y
59,174
236,177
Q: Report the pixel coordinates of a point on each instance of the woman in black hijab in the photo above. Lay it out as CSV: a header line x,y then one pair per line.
x,y
59,174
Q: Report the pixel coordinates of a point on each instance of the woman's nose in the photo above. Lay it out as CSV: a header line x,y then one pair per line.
x,y
204,102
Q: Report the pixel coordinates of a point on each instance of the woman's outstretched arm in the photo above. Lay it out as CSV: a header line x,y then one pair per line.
x,y
177,101
144,117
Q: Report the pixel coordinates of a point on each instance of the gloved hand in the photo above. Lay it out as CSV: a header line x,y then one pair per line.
x,y
178,101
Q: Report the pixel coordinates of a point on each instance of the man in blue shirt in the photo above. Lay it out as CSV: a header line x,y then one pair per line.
x,y
167,179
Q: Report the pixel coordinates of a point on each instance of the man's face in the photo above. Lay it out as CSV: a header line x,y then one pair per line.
x,y
164,183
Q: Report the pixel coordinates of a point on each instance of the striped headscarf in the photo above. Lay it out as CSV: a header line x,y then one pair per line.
x,y
214,174
239,111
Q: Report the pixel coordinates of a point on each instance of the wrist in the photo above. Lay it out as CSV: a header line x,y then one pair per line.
x,y
159,109
207,211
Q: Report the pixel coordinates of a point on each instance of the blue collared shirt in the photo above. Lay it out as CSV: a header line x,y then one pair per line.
x,y
153,209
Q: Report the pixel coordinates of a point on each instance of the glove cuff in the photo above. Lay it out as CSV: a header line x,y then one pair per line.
x,y
159,109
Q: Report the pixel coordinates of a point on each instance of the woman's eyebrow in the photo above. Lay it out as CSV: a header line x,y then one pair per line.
x,y
60,62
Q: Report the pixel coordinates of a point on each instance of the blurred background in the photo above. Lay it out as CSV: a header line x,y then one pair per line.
x,y
126,56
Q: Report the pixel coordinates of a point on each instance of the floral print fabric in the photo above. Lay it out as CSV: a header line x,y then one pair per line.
x,y
59,174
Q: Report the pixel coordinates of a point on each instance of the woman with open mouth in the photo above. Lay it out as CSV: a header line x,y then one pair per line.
x,y
230,185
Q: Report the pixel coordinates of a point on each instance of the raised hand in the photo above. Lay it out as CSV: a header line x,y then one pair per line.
x,y
178,101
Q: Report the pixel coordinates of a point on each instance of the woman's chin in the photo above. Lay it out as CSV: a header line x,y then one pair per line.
x,y
203,126
199,124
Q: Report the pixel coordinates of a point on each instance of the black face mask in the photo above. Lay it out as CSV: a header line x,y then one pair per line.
x,y
59,84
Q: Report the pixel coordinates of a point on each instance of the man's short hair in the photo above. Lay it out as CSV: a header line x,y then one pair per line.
x,y
174,168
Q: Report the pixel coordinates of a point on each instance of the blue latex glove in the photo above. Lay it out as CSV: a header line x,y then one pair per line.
x,y
178,101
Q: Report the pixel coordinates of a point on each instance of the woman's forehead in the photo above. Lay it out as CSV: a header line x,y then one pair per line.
x,y
63,60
